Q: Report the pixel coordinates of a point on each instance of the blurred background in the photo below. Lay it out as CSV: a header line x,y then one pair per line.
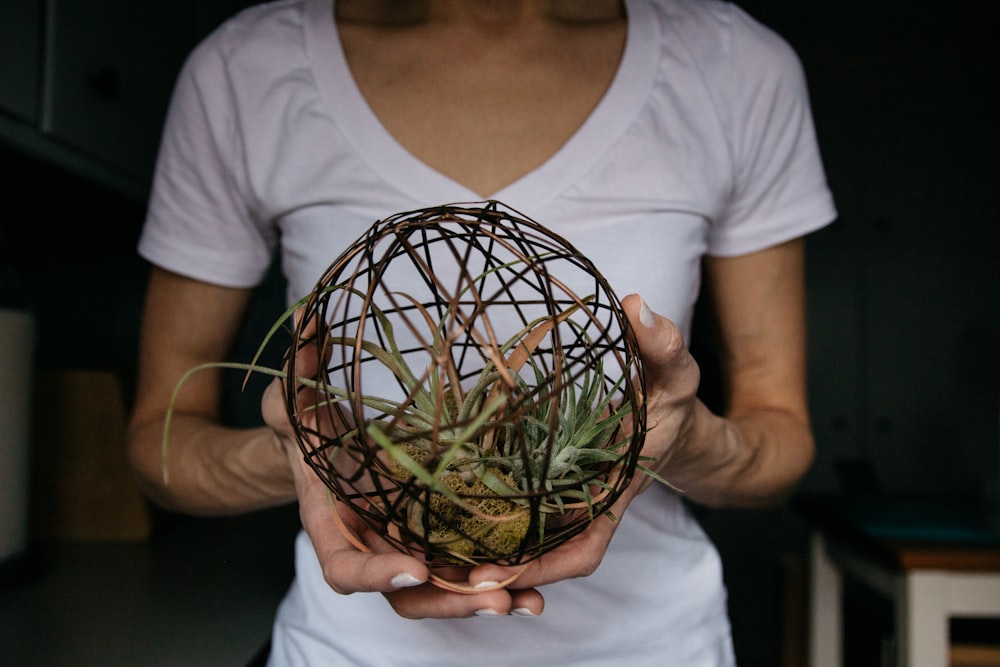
x,y
904,308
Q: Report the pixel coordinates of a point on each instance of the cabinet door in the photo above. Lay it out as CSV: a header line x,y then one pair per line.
x,y
111,69
20,53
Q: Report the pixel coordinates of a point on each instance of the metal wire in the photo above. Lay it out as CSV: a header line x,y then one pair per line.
x,y
394,339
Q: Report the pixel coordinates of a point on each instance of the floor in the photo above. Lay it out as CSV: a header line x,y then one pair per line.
x,y
199,592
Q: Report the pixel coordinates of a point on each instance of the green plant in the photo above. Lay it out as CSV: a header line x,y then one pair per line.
x,y
463,405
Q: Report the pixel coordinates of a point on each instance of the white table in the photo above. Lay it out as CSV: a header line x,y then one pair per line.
x,y
928,585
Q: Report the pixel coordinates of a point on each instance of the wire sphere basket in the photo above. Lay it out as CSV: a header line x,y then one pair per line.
x,y
466,382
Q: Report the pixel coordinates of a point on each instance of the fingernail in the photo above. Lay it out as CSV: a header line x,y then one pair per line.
x,y
486,612
522,611
645,314
486,584
405,580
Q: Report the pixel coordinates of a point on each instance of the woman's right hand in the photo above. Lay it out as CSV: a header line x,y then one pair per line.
x,y
352,556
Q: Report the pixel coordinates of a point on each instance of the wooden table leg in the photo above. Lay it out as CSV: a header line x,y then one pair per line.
x,y
825,607
922,613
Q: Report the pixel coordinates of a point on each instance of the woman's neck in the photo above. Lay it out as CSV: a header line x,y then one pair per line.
x,y
493,12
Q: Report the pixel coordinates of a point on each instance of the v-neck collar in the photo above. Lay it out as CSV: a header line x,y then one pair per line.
x,y
403,170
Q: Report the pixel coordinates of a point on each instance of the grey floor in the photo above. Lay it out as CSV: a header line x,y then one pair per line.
x,y
199,592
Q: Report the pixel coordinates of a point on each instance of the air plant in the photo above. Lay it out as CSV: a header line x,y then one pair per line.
x,y
469,405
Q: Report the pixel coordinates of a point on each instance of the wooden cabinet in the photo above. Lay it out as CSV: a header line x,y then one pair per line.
x,y
110,71
20,53
86,83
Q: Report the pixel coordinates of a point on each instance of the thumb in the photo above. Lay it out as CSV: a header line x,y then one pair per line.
x,y
666,361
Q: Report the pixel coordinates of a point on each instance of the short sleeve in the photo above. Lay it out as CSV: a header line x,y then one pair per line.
x,y
779,188
200,220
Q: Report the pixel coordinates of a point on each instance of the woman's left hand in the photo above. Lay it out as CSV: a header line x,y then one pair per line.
x,y
672,378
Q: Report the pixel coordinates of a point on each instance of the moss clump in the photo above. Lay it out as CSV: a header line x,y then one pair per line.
x,y
416,453
486,525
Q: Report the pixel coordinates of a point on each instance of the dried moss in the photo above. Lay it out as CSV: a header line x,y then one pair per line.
x,y
490,524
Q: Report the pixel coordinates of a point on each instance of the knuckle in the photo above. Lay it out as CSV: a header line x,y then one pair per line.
x,y
334,581
673,343
590,566
400,609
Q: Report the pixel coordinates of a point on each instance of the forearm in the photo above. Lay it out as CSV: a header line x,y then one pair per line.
x,y
756,454
209,469
754,459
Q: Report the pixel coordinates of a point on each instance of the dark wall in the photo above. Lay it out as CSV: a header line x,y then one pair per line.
x,y
69,253
904,289
70,246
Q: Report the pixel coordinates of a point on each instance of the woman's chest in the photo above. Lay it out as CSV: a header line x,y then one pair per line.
x,y
484,112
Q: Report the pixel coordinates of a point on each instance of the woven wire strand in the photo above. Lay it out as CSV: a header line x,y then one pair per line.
x,y
445,288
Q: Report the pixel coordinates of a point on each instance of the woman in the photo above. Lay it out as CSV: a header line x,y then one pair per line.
x,y
658,136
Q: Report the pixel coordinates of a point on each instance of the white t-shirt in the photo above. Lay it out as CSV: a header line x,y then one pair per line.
x,y
703,144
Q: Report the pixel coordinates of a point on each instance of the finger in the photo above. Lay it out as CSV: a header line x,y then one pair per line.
x,y
353,559
273,409
659,339
578,557
669,366
312,349
526,602
347,568
429,601
434,601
